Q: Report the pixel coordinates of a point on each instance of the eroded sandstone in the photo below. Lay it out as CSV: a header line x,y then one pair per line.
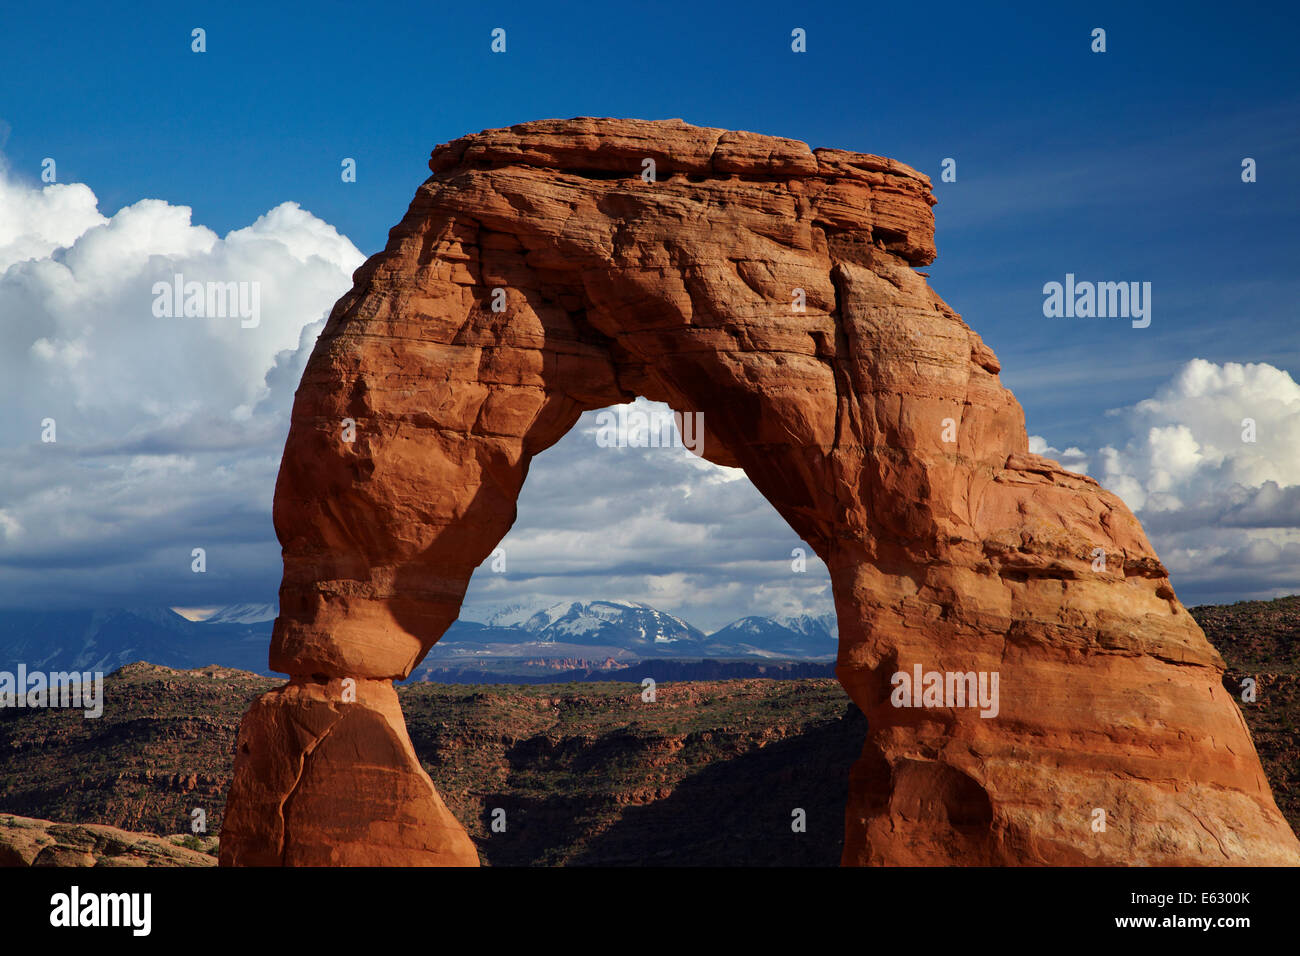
x,y
27,841
959,555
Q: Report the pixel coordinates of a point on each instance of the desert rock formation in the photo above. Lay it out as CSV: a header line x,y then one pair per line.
x,y
539,274
26,841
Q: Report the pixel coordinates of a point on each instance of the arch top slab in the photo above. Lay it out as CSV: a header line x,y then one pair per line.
x,y
541,272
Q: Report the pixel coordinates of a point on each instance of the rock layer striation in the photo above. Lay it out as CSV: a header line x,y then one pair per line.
x,y
541,272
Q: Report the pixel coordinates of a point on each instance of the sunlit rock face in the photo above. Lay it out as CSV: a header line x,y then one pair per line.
x,y
548,269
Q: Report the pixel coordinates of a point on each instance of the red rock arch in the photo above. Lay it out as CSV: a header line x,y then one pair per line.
x,y
873,421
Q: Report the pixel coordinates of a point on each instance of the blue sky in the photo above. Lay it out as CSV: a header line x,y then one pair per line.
x,y
1121,166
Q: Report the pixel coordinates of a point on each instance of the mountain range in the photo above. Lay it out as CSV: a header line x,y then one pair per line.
x,y
550,636
104,640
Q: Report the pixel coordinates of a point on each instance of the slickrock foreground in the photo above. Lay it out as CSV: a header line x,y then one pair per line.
x,y
25,841
874,422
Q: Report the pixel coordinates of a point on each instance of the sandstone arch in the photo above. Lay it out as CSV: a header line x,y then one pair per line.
x,y
971,555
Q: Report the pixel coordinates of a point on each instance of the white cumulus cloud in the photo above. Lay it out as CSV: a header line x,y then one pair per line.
x,y
167,430
1211,466
1072,458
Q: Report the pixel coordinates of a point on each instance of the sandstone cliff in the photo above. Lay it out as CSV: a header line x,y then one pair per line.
x,y
874,422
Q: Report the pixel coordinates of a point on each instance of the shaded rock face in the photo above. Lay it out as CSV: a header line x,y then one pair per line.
x,y
874,422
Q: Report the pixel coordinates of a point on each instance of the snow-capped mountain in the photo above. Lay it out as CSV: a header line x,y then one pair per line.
x,y
818,626
238,636
798,636
515,614
243,614
91,640
549,628
620,624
